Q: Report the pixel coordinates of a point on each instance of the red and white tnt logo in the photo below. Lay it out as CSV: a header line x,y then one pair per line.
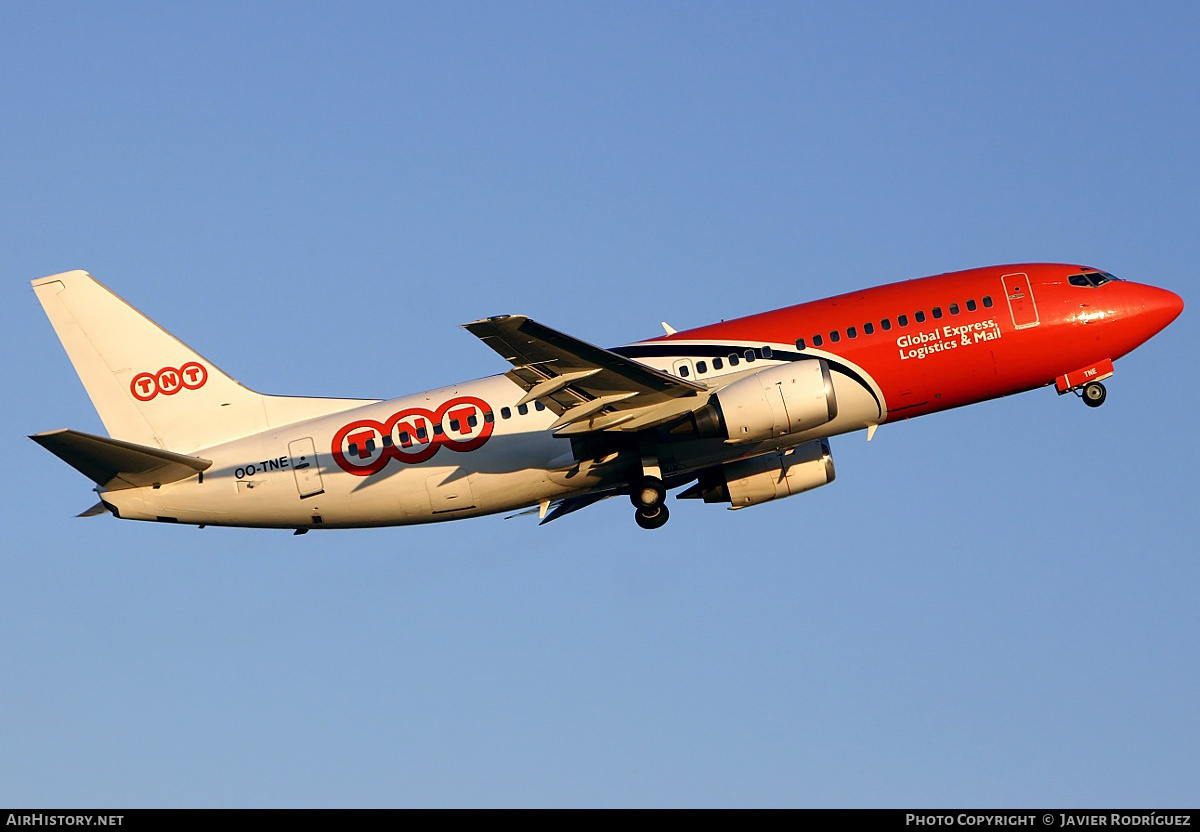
x,y
168,381
412,435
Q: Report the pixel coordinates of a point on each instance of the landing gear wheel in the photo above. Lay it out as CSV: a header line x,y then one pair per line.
x,y
1094,394
647,493
652,518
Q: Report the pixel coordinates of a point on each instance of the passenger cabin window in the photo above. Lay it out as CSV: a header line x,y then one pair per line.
x,y
954,309
522,409
800,344
817,341
369,445
834,337
733,360
718,363
919,317
902,320
987,302
972,305
701,367
851,332
750,356
505,413
886,323
868,329
766,352
683,371
937,311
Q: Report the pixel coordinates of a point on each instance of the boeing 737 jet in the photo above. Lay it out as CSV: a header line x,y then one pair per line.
x,y
739,412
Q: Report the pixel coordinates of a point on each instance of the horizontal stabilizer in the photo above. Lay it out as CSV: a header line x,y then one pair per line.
x,y
115,464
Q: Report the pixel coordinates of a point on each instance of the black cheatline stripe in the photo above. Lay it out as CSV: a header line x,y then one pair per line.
x,y
718,351
683,350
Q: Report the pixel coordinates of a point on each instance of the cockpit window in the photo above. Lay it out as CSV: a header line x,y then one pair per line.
x,y
1090,279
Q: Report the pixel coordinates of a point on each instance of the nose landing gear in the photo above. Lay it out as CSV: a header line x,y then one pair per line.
x,y
1093,394
1085,382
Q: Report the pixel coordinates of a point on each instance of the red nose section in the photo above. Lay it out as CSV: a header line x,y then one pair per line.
x,y
1162,307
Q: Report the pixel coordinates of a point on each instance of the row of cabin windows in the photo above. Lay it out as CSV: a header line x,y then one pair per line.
x,y
765,352
886,324
421,434
702,367
522,409
733,360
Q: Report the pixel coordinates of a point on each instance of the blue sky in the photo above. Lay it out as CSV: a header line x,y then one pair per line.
x,y
994,606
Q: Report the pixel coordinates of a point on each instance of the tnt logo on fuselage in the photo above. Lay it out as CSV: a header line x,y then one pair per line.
x,y
168,381
412,435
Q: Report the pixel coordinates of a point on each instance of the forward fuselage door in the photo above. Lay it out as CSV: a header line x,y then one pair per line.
x,y
304,467
1021,303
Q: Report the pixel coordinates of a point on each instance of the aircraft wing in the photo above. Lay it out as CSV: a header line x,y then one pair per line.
x,y
589,388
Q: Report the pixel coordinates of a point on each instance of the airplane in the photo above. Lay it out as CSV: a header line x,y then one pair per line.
x,y
740,412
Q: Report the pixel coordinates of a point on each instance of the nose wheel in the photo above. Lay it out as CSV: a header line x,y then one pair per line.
x,y
647,496
1093,394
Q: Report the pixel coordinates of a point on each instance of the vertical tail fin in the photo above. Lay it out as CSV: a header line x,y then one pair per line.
x,y
148,386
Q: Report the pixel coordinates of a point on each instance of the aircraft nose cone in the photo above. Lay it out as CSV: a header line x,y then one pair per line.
x,y
1164,306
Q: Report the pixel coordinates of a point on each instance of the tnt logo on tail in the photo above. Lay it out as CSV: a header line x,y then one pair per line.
x,y
412,435
168,381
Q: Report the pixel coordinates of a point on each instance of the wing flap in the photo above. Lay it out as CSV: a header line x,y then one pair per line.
x,y
116,464
587,387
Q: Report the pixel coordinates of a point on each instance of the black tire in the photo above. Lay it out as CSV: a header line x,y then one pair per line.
x,y
652,518
647,492
1094,394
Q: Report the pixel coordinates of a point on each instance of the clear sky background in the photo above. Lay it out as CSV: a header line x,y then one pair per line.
x,y
995,606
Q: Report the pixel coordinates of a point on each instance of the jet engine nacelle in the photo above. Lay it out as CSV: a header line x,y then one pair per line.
x,y
768,477
771,403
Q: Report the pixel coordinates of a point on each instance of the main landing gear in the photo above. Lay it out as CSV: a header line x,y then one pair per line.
x,y
1093,394
648,495
646,489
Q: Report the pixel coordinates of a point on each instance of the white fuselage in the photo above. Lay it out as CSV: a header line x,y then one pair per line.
x,y
268,479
